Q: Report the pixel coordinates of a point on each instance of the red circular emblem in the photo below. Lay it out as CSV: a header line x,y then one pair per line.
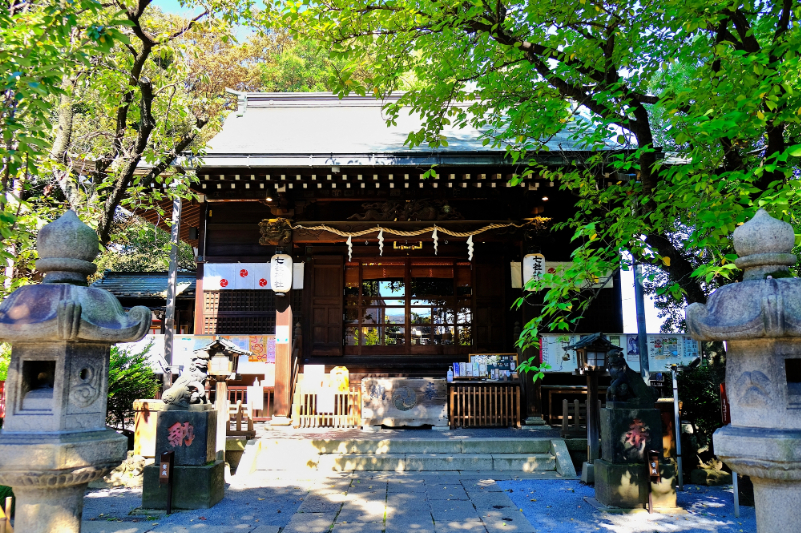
x,y
262,282
223,283
551,270
243,273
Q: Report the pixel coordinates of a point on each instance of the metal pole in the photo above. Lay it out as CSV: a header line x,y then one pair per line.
x,y
736,494
169,318
677,423
593,417
642,332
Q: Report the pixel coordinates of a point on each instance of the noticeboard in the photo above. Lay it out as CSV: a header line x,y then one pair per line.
x,y
664,350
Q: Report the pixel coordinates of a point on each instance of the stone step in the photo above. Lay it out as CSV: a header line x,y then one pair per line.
x,y
414,462
396,446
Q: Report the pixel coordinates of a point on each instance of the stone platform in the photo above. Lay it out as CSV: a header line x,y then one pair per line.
x,y
504,450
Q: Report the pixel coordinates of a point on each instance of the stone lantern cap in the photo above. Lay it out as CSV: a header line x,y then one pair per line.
x,y
63,308
767,303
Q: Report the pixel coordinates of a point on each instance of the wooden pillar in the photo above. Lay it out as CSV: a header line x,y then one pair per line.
x,y
283,358
593,417
221,406
201,255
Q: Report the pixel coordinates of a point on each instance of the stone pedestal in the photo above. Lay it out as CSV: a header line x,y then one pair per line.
x,y
190,434
54,441
198,479
621,476
760,318
194,487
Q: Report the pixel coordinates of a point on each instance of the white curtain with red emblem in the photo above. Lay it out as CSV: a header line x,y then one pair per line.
x,y
218,276
244,276
261,278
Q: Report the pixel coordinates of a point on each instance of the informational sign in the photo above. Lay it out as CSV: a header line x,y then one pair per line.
x,y
664,350
165,467
281,273
255,397
281,334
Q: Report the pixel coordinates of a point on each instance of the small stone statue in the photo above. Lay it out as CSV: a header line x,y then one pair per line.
x,y
190,387
627,388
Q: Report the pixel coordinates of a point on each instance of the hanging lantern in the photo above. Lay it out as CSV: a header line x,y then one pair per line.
x,y
533,267
281,273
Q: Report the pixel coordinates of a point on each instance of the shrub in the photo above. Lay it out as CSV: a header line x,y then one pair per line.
x,y
130,378
699,391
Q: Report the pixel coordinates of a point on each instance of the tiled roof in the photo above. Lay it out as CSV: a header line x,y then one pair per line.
x,y
314,129
145,284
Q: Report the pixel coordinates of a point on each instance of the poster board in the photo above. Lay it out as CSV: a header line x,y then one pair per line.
x,y
664,350
261,363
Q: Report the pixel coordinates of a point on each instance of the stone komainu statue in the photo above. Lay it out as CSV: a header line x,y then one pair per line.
x,y
627,388
190,387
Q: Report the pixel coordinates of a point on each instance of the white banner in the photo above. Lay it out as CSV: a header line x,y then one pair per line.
x,y
218,276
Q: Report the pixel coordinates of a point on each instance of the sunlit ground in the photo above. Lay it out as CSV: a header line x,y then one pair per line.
x,y
558,506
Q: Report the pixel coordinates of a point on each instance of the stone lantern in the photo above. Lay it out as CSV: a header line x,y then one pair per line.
x,y
54,441
591,361
760,320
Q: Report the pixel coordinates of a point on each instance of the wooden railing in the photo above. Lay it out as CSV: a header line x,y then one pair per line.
x,y
484,404
347,409
575,424
238,393
294,363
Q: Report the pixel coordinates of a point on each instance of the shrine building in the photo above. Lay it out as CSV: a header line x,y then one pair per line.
x,y
395,273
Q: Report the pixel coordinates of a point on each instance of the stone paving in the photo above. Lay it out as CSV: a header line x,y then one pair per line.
x,y
381,502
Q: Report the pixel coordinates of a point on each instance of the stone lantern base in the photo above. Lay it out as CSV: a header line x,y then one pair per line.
x,y
50,474
772,458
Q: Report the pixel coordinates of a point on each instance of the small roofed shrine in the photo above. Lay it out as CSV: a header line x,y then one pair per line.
x,y
388,268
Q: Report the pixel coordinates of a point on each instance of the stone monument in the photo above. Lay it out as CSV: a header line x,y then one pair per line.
x,y
54,441
631,426
760,320
187,426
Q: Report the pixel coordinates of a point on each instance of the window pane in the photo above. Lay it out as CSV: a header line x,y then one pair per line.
x,y
383,336
352,291
465,335
351,336
351,316
439,316
443,335
394,315
394,335
464,315
421,335
432,287
421,315
384,288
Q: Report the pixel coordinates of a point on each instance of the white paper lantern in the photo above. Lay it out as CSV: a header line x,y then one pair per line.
x,y
533,267
281,273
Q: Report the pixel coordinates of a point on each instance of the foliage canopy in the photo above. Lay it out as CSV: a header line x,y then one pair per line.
x,y
691,111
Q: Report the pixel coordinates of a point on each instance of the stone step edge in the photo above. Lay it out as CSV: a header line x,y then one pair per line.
x,y
526,463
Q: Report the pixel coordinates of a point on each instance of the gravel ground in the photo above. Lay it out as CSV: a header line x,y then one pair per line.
x,y
556,506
